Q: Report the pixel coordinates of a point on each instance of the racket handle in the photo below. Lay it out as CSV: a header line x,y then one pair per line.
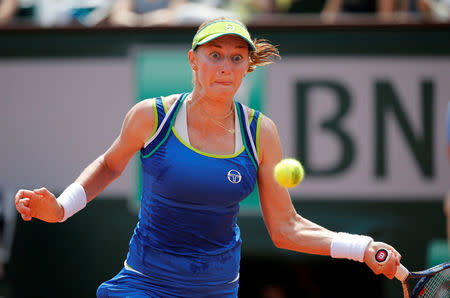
x,y
402,273
382,256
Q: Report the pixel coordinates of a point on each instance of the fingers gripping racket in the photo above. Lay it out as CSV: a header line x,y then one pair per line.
x,y
434,282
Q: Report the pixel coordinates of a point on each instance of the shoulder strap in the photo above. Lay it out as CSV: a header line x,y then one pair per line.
x,y
255,123
249,137
164,127
160,110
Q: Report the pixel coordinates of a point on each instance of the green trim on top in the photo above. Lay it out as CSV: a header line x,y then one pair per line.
x,y
243,138
168,131
156,120
205,153
252,114
156,117
258,125
164,104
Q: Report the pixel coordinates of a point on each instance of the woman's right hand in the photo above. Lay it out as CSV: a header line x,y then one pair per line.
x,y
40,204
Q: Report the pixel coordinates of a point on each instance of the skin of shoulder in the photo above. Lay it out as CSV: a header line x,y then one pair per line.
x,y
269,142
140,120
137,128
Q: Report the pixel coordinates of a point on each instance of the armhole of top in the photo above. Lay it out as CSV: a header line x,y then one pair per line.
x,y
163,128
155,110
164,104
252,114
247,138
258,124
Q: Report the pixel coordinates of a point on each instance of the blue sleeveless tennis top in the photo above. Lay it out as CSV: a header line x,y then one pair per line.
x,y
187,231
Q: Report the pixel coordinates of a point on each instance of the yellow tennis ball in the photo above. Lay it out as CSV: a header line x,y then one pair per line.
x,y
289,172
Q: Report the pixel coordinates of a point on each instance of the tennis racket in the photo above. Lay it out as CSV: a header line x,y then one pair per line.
x,y
434,282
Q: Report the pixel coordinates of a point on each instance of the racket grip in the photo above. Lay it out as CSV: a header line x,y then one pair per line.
x,y
382,256
402,273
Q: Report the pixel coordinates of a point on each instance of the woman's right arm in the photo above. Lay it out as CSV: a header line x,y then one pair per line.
x,y
136,129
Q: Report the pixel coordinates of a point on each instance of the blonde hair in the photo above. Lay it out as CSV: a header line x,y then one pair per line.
x,y
265,52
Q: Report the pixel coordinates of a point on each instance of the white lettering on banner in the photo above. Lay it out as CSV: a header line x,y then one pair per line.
x,y
367,126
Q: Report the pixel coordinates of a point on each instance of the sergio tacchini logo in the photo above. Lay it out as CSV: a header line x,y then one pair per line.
x,y
234,176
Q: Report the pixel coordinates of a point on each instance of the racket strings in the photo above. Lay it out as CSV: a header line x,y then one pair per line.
x,y
437,286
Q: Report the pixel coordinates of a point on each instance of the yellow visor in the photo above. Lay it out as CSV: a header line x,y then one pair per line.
x,y
219,28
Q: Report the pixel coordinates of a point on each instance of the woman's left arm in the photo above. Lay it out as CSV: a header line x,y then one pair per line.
x,y
286,227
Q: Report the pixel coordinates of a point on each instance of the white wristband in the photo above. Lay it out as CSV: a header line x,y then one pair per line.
x,y
73,199
349,246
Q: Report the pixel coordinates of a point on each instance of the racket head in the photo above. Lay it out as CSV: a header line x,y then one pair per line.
x,y
435,284
430,271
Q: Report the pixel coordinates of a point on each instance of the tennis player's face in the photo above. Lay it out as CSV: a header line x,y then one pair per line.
x,y
221,64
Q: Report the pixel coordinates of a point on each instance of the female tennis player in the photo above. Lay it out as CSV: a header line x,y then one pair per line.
x,y
202,153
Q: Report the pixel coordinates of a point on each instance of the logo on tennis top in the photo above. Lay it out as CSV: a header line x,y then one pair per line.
x,y
381,255
234,176
229,27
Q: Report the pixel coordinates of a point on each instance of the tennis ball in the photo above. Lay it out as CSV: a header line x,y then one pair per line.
x,y
289,172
